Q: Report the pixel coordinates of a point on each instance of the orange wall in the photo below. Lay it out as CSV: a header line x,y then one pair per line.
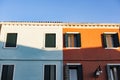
x,y
90,37
91,46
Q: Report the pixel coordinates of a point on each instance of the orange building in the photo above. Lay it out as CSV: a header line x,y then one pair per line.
x,y
91,51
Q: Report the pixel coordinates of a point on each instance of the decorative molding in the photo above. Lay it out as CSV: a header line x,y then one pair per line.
x,y
64,25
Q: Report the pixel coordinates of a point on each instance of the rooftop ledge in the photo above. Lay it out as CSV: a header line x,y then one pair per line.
x,y
64,24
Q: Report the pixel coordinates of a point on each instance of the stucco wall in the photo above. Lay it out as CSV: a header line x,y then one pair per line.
x,y
31,42
32,70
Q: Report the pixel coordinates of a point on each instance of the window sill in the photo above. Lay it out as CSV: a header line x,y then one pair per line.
x,y
50,48
112,48
72,47
10,47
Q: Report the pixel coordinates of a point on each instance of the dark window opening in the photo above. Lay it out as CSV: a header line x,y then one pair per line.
x,y
50,72
50,40
11,40
7,72
72,40
110,40
73,72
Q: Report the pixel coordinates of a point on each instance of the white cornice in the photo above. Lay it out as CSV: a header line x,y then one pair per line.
x,y
64,25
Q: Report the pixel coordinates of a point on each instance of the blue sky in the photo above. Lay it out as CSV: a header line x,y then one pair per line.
x,y
94,11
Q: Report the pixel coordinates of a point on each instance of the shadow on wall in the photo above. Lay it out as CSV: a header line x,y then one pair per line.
x,y
24,52
96,53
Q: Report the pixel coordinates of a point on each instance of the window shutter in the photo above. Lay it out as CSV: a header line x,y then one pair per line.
x,y
66,40
103,37
118,72
7,72
4,72
78,40
53,72
50,72
115,40
108,72
10,72
47,72
66,68
79,72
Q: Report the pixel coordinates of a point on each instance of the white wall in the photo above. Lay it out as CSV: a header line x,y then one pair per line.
x,y
31,42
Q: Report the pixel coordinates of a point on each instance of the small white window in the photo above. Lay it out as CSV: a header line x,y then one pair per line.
x,y
110,40
11,40
73,72
50,72
50,40
7,72
72,40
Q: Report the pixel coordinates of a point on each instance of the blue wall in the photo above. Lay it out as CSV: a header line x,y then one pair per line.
x,y
32,70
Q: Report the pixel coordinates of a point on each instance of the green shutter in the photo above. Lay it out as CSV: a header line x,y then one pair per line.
x,y
50,40
50,72
78,40
115,40
11,40
7,72
47,72
118,72
79,72
66,40
103,37
66,72
64,44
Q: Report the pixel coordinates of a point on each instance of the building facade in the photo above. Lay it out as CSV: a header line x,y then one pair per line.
x,y
30,52
91,52
59,51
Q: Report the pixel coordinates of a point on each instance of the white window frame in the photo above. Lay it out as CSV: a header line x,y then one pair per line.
x,y
111,34
5,40
73,64
109,71
50,48
72,47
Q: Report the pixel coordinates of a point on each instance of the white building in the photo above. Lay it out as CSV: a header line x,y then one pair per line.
x,y
31,51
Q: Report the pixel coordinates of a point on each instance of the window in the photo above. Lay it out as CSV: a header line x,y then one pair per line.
x,y
11,40
73,72
72,40
110,40
50,72
50,40
7,72
113,72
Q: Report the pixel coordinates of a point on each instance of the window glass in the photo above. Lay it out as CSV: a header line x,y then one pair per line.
x,y
50,72
113,72
50,40
7,72
110,40
72,40
73,72
11,40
